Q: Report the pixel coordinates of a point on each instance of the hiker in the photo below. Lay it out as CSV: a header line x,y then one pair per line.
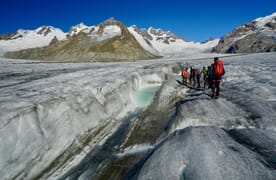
x,y
185,75
209,76
218,72
198,76
205,74
191,75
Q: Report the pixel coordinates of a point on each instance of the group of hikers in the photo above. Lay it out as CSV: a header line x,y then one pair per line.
x,y
212,76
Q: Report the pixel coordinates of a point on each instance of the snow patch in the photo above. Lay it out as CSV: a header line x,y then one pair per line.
x,y
262,21
143,42
108,33
140,148
79,28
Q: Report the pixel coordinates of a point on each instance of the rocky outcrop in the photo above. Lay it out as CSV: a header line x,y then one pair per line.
x,y
108,41
159,35
254,37
7,36
45,30
54,41
253,43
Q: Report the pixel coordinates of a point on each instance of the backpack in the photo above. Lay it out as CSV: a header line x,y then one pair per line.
x,y
218,69
198,74
205,71
185,74
210,71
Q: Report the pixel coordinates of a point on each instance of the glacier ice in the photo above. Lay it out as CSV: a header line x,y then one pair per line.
x,y
82,120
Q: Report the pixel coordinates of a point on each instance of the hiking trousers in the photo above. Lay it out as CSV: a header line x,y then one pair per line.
x,y
216,88
184,80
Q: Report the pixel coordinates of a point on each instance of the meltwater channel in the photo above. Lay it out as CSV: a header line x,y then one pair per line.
x,y
90,166
144,96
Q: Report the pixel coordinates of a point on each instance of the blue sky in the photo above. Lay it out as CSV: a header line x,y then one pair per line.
x,y
192,19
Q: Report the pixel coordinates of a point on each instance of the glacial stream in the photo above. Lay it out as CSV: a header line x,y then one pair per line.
x,y
144,96
100,157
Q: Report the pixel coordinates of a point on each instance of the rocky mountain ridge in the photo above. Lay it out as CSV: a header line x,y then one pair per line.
x,y
21,33
256,36
107,41
166,43
150,42
166,37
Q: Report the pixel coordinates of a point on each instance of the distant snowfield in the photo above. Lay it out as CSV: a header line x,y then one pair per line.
x,y
174,48
47,109
31,39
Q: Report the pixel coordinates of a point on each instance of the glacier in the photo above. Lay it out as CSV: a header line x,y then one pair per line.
x,y
134,120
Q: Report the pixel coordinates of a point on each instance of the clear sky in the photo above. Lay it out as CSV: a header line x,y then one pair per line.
x,y
192,19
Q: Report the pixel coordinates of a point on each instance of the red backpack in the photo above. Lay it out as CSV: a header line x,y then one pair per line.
x,y
218,69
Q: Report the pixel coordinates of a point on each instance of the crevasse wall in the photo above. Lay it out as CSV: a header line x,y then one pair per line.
x,y
49,136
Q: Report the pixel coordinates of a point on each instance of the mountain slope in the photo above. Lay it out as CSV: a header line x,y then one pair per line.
x,y
23,39
253,37
166,43
108,41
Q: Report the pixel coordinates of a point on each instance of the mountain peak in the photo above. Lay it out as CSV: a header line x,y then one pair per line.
x,y
45,30
77,28
111,21
161,34
81,25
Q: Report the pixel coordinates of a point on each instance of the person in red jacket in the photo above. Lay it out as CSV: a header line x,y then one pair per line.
x,y
185,75
218,72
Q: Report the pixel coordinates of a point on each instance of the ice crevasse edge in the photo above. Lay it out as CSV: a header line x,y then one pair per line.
x,y
44,129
